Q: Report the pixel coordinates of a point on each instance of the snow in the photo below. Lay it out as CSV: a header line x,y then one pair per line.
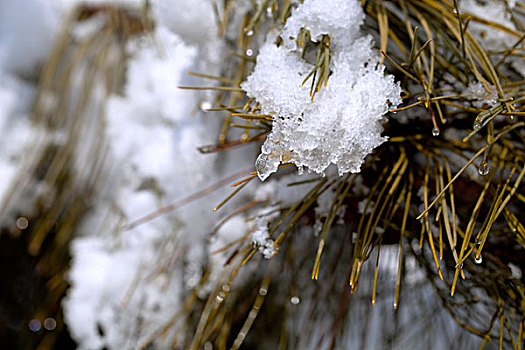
x,y
261,238
13,121
343,122
152,139
128,281
490,37
152,131
195,26
476,92
25,40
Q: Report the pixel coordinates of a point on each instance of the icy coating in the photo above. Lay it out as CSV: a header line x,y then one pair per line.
x,y
343,123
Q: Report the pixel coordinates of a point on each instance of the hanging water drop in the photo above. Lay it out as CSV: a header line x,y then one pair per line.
x,y
478,259
266,165
484,168
460,266
249,33
295,300
435,132
477,124
219,298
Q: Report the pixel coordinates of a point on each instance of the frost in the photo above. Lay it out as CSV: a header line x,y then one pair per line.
x,y
343,122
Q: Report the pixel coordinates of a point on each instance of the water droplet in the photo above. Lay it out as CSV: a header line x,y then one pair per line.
x,y
295,300
435,132
35,325
484,168
249,52
477,124
444,121
249,33
478,260
22,223
263,291
219,298
395,305
206,105
266,165
50,323
460,266
269,12
226,287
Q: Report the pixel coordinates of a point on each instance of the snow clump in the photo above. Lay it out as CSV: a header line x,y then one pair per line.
x,y
261,238
343,122
479,96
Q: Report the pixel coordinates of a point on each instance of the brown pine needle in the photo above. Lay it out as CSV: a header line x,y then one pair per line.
x,y
404,71
232,194
185,200
376,272
253,116
213,77
223,108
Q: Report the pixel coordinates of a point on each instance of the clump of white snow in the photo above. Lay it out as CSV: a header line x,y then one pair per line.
x,y
261,238
480,96
343,122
